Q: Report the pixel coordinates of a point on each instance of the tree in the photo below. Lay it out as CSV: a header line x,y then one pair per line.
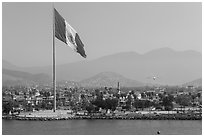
x,y
99,102
193,99
167,102
90,108
139,104
183,100
7,107
29,107
147,104
129,102
199,95
111,104
97,92
161,96
143,95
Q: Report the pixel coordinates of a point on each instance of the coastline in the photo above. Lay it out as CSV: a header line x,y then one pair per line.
x,y
142,117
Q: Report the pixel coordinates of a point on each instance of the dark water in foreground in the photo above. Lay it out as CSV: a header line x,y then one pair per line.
x,y
102,127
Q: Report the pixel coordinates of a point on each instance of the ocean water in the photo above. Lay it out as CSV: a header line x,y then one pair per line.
x,y
102,127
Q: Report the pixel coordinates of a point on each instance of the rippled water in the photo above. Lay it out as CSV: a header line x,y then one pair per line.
x,y
102,127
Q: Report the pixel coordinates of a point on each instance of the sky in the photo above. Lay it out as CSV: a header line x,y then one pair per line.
x,y
104,28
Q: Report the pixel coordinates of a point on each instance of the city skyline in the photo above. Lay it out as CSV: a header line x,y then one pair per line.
x,y
122,27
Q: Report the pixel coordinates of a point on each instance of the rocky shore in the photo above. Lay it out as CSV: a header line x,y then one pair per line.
x,y
142,117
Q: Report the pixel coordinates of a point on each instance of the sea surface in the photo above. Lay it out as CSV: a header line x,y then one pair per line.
x,y
102,127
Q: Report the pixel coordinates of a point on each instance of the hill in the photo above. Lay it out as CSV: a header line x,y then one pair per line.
x,y
195,83
109,79
12,77
8,65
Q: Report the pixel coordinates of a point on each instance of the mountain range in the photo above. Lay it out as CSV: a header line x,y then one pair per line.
x,y
169,66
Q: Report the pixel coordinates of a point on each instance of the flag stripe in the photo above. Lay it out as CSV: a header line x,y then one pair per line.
x,y
80,46
60,27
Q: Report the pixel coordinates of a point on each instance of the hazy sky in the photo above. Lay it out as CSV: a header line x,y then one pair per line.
x,y
104,28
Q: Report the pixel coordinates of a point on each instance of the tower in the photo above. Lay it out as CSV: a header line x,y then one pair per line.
x,y
118,87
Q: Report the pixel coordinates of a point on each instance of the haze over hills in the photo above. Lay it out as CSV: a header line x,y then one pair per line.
x,y
8,65
195,83
12,77
109,79
170,66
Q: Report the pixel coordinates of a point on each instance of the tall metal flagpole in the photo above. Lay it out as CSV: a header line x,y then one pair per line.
x,y
54,67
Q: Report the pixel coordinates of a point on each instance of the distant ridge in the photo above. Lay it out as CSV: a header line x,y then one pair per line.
x,y
11,77
109,79
8,65
195,83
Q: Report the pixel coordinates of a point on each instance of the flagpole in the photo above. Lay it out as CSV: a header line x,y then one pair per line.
x,y
54,66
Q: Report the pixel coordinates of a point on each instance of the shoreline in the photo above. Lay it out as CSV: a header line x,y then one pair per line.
x,y
143,117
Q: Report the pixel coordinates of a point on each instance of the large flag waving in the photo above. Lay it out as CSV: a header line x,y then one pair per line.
x,y
65,33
